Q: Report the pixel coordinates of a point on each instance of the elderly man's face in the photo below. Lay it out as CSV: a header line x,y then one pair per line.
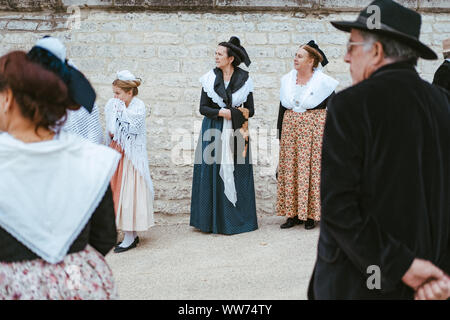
x,y
360,60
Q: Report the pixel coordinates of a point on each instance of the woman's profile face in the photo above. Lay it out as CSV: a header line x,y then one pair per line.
x,y
122,95
222,58
302,60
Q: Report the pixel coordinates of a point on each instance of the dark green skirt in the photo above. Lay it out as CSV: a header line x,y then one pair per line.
x,y
211,211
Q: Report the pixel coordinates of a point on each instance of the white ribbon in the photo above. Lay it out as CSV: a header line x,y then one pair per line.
x,y
227,162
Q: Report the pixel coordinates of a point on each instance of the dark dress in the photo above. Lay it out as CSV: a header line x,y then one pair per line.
x,y
385,185
211,211
442,76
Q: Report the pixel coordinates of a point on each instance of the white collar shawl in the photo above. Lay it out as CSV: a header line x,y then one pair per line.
x,y
49,190
300,99
238,98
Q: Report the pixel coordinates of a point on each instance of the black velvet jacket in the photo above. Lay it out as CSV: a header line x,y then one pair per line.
x,y
442,76
385,185
100,232
211,110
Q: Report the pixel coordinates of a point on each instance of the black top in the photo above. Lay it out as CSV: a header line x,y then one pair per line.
x,y
100,232
385,185
442,76
210,109
282,110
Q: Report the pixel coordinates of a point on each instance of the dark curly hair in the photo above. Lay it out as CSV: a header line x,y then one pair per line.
x,y
42,96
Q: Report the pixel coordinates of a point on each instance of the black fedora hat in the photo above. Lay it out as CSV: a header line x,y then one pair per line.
x,y
396,21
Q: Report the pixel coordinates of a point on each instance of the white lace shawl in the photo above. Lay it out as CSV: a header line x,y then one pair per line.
x,y
301,98
238,98
127,124
226,162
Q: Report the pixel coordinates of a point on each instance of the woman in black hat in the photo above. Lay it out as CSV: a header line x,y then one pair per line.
x,y
56,210
223,194
304,94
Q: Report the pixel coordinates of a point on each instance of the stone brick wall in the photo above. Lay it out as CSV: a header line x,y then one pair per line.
x,y
170,50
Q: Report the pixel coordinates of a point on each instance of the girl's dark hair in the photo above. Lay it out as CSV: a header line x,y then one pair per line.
x,y
41,95
230,52
236,61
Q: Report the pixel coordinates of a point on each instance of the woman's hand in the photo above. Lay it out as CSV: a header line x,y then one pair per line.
x,y
225,113
111,135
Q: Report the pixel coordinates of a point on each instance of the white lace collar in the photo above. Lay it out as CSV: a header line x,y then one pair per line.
x,y
302,98
238,98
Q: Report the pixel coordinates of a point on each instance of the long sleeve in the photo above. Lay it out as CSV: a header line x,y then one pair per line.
x,y
249,104
103,234
237,117
355,231
281,112
442,76
206,107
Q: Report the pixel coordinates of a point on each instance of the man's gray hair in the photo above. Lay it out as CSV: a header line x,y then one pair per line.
x,y
393,49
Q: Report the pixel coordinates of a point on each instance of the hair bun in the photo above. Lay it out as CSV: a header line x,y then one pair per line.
x,y
137,82
235,41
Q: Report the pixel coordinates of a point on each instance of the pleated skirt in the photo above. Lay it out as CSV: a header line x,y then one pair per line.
x,y
133,202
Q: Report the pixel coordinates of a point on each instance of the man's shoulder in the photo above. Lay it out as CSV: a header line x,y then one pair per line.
x,y
349,98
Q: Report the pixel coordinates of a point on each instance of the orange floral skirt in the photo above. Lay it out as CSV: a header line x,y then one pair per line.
x,y
298,192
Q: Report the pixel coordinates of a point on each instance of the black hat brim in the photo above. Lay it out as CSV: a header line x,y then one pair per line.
x,y
424,51
80,89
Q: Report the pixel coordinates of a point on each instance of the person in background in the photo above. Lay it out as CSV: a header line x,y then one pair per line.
x,y
223,191
132,184
385,227
304,95
56,209
442,76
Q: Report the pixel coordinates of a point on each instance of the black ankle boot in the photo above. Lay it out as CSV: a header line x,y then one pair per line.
x,y
290,222
310,224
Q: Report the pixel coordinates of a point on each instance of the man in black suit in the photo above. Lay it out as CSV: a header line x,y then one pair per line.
x,y
385,227
442,75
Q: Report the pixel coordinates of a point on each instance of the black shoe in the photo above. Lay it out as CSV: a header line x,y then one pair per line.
x,y
290,222
118,249
119,243
310,224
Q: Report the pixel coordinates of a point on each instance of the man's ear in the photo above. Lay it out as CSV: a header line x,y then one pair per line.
x,y
378,52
